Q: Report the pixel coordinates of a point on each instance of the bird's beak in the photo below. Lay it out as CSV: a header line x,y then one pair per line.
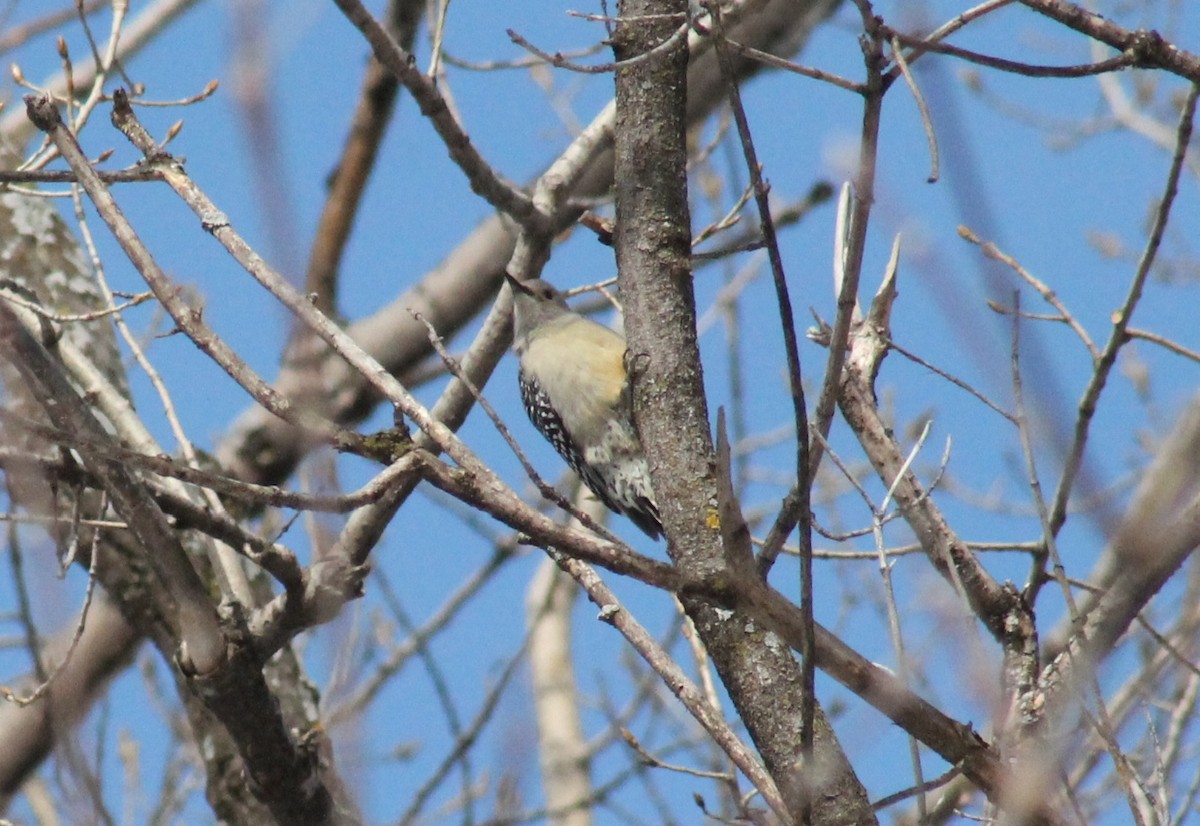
x,y
515,285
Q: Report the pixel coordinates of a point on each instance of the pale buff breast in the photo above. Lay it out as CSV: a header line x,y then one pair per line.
x,y
581,370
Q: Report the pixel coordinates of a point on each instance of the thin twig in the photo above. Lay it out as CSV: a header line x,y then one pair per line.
x,y
922,107
547,490
1122,317
1017,67
1162,341
558,60
500,193
48,677
957,382
990,250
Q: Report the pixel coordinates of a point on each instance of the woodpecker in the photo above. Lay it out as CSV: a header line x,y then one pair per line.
x,y
576,392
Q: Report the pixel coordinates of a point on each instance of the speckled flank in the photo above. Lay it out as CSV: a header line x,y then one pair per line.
x,y
574,388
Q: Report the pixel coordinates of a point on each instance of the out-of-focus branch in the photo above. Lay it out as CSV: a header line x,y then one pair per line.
x,y
226,672
1157,534
1151,50
376,102
14,36
562,746
106,646
15,128
202,642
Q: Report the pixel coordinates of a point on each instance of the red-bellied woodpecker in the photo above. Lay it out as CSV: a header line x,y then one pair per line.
x,y
576,392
